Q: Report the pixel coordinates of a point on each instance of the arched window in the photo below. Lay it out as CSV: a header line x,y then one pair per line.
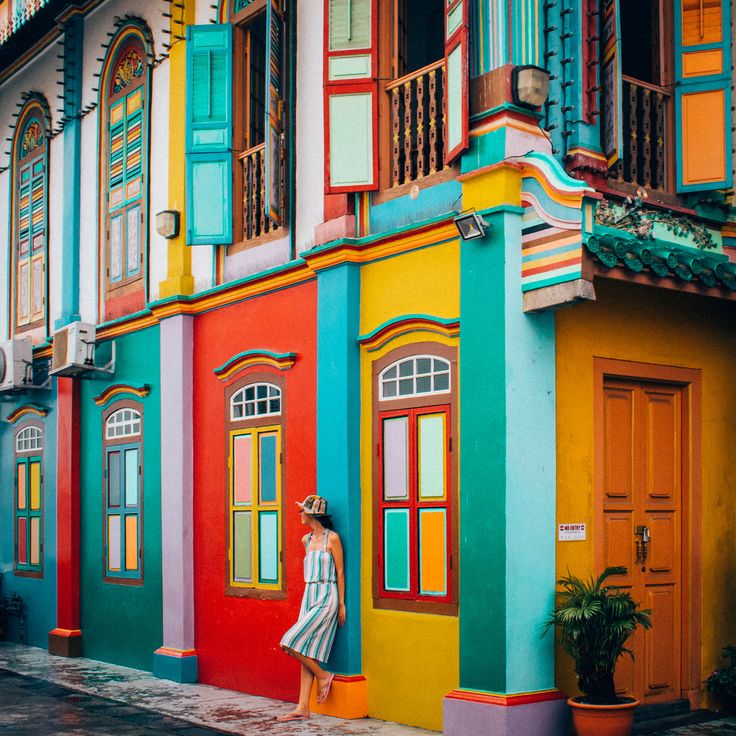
x,y
124,150
419,374
30,228
30,438
29,501
254,495
256,400
123,489
415,479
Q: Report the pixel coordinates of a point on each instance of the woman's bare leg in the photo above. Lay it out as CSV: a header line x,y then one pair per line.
x,y
311,664
305,688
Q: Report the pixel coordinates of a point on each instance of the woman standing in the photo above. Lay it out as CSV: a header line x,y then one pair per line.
x,y
323,605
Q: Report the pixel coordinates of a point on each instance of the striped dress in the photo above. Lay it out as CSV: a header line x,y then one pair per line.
x,y
313,633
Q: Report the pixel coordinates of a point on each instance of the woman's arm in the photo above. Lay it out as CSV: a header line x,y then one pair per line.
x,y
335,547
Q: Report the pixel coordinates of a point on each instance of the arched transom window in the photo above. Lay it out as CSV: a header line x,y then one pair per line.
x,y
28,439
256,400
123,423
415,376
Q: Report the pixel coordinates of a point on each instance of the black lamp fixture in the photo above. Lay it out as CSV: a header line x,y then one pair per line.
x,y
167,223
529,85
470,225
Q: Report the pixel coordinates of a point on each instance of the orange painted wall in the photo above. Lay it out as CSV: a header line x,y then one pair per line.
x,y
630,322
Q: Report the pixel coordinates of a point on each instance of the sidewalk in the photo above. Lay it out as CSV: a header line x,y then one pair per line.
x,y
203,705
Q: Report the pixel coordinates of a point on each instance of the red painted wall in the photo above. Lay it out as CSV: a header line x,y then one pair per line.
x,y
237,639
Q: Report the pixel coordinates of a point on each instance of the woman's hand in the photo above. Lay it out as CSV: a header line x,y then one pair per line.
x,y
341,615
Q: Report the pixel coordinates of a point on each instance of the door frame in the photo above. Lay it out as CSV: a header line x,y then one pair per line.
x,y
689,379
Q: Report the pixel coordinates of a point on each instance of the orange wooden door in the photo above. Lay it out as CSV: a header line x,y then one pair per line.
x,y
643,442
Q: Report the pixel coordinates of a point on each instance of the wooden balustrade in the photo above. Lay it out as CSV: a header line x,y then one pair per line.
x,y
417,123
255,222
645,112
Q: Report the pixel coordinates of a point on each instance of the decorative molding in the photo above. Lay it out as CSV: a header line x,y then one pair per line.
x,y
633,217
21,411
250,358
476,696
140,390
406,324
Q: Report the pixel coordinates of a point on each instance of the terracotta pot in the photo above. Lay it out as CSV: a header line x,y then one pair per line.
x,y
602,720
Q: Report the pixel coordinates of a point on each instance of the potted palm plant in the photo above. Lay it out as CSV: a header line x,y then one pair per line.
x,y
595,621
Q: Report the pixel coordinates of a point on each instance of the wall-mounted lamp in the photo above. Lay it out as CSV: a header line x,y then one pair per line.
x,y
470,225
529,85
167,223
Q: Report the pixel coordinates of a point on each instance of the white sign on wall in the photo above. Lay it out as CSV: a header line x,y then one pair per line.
x,y
571,532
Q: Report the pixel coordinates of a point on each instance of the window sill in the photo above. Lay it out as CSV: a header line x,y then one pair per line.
x,y
276,234
439,177
37,574
414,606
123,581
255,593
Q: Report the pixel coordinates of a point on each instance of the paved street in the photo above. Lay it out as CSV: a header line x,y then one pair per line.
x,y
42,695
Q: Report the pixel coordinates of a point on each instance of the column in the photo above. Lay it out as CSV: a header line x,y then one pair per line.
x,y
66,639
338,465
176,659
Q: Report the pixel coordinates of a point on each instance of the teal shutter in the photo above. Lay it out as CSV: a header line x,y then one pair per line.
x,y
274,126
209,135
457,104
612,117
703,95
351,96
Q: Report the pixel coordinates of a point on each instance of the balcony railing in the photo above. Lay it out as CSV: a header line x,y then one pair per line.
x,y
255,221
645,112
417,123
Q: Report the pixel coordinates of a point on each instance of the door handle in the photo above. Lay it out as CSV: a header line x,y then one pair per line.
x,y
643,537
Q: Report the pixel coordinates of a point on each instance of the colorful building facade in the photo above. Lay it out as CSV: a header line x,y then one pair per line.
x,y
248,208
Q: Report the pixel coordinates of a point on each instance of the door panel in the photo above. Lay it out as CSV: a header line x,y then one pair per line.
x,y
662,643
619,462
642,455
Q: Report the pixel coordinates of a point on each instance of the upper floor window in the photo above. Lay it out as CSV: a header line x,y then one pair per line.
x,y
254,489
29,501
238,121
124,147
259,89
415,480
30,215
396,91
123,492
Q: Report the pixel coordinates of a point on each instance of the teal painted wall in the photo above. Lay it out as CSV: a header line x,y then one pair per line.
x,y
507,497
39,594
122,623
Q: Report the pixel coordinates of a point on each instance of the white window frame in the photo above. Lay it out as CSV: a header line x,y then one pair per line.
x,y
383,380
129,420
238,400
29,439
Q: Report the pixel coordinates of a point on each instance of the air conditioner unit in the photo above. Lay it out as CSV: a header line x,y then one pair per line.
x,y
16,361
74,349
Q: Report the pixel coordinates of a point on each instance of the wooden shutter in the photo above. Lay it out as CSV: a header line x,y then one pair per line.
x,y
457,110
274,127
702,94
612,118
209,134
351,96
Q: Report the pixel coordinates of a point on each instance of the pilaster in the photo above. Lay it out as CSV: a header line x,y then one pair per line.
x,y
176,659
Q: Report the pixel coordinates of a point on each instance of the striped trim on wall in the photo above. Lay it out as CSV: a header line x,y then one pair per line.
x,y
549,255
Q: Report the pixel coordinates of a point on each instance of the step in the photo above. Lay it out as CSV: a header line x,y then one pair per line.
x,y
651,725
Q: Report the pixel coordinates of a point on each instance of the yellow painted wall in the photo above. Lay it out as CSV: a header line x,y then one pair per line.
x,y
410,660
638,323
